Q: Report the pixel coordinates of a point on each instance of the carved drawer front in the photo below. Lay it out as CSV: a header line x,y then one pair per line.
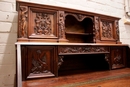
x,y
65,50
118,57
37,61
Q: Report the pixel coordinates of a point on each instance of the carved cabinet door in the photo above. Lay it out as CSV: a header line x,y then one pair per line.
x,y
38,61
118,57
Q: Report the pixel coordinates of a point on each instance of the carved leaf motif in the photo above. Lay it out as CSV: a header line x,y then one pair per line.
x,y
107,30
39,63
42,24
23,21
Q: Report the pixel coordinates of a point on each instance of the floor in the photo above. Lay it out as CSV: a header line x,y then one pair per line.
x,y
106,78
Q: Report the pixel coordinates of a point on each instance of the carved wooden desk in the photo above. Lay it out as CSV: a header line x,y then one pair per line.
x,y
44,59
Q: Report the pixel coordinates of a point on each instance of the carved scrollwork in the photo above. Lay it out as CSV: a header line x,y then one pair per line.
x,y
60,61
107,58
82,49
79,17
97,37
107,30
39,64
61,25
42,24
23,21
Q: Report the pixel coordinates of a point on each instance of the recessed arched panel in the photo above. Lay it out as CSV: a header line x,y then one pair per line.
x,y
79,31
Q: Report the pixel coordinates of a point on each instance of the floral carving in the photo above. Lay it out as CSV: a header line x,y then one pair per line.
x,y
39,63
106,29
23,21
61,25
82,49
60,61
42,24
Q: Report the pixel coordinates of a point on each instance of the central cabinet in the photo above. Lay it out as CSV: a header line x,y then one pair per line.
x,y
56,39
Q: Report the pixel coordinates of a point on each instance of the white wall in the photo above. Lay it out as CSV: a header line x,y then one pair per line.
x,y
8,28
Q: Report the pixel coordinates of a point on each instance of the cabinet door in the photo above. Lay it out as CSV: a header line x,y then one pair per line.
x,y
118,57
38,61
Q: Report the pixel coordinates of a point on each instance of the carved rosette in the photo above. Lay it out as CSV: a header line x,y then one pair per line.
x,y
96,30
117,30
107,30
117,60
42,24
61,25
39,64
60,61
82,49
23,17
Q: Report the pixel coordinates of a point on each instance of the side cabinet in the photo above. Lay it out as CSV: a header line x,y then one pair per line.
x,y
38,61
118,57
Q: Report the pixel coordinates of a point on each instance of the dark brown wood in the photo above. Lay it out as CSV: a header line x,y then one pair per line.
x,y
94,42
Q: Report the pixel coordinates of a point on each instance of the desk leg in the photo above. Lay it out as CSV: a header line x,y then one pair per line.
x,y
19,70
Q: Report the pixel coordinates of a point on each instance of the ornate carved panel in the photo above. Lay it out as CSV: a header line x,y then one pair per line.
x,y
42,24
107,30
23,18
82,49
118,58
38,61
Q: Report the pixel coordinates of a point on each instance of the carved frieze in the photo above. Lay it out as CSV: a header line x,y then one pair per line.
x,y
39,64
82,49
42,24
97,29
62,25
107,31
23,17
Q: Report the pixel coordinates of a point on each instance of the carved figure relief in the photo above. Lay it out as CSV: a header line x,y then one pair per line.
x,y
23,21
60,61
97,37
61,25
42,24
82,49
39,63
107,30
117,60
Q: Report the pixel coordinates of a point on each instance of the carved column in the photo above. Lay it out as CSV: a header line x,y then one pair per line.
x,y
96,29
117,31
23,18
61,26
